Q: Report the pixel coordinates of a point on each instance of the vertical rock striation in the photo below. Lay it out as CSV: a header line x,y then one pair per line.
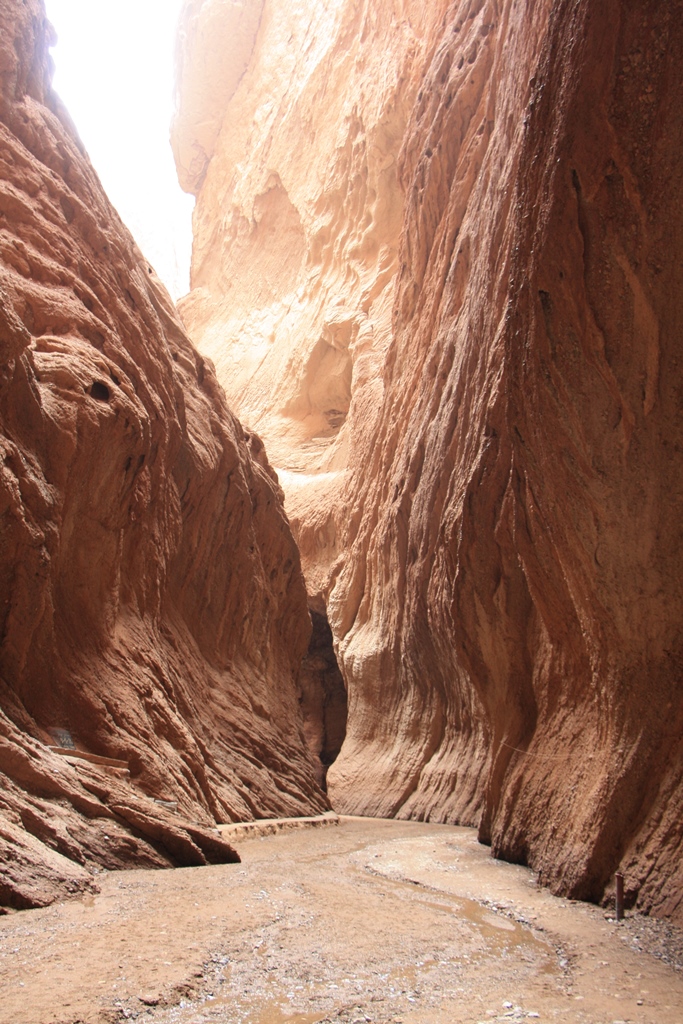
x,y
438,264
297,225
152,606
528,517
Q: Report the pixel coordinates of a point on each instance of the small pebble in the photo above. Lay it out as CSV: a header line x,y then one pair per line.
x,y
149,999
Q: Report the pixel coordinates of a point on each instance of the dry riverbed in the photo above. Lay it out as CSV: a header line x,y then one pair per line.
x,y
367,922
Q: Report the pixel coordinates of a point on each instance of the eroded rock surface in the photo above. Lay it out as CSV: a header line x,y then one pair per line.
x,y
297,226
151,599
438,264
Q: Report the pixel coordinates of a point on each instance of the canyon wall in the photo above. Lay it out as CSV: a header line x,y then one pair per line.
x,y
152,608
438,265
297,225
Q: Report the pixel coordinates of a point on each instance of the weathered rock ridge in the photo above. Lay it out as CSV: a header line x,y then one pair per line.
x,y
151,599
438,264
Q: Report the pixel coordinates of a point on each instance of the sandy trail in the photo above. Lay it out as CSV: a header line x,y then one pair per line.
x,y
369,921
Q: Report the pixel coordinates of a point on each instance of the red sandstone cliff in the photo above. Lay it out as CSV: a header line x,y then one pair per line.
x,y
151,598
460,228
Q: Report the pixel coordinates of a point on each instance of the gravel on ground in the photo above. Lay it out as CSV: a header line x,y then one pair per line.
x,y
367,922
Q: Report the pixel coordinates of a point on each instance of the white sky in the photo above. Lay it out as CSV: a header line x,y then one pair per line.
x,y
114,72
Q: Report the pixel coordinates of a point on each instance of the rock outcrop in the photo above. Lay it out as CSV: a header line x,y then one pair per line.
x,y
152,608
438,265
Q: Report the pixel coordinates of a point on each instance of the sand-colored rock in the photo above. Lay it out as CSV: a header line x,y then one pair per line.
x,y
151,598
207,29
297,226
454,229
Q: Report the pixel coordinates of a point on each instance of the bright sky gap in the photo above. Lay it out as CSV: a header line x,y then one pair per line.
x,y
114,72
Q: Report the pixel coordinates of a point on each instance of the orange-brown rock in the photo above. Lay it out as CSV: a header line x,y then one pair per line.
x,y
438,264
152,606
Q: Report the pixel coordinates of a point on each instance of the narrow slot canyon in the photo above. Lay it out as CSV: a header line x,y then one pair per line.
x,y
323,699
350,582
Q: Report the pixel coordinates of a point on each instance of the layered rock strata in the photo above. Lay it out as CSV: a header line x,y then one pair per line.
x,y
438,263
152,608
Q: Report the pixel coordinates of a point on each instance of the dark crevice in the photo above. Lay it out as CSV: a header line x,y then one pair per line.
x,y
323,698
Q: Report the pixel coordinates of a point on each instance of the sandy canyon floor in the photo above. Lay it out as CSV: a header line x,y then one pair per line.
x,y
366,921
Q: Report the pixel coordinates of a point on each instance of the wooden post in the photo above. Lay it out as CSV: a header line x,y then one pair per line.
x,y
619,895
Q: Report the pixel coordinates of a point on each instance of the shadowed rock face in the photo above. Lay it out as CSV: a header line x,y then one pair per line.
x,y
151,597
463,228
324,704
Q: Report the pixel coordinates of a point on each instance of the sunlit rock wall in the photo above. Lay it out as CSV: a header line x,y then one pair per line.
x,y
151,599
438,264
297,225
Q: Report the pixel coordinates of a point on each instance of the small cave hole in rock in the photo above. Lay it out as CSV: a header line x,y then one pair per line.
x,y
100,391
335,418
323,697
